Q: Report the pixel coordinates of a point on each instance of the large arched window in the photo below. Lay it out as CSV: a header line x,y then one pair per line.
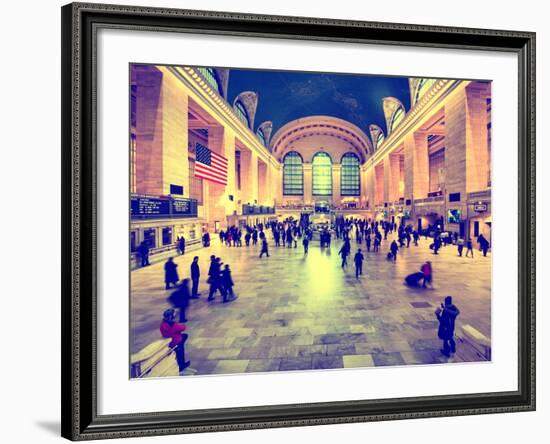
x,y
210,76
261,136
322,174
293,175
241,113
350,182
397,117
380,139
423,86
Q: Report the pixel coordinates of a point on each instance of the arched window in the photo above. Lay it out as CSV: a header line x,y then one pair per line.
x,y
293,175
350,182
261,136
210,76
241,113
397,117
380,139
423,86
322,174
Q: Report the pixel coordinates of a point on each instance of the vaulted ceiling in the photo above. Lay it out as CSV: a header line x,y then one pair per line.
x,y
288,95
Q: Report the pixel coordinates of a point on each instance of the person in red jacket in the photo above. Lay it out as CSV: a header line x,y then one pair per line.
x,y
426,270
169,328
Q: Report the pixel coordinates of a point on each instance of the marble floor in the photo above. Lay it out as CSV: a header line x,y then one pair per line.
x,y
297,312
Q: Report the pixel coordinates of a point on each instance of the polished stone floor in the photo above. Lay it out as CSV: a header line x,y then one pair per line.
x,y
297,312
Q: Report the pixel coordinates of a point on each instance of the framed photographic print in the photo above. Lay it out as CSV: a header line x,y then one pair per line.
x,y
280,221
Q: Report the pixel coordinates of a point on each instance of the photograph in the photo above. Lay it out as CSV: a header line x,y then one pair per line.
x,y
284,220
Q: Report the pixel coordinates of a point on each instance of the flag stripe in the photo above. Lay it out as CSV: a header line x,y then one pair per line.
x,y
210,166
207,173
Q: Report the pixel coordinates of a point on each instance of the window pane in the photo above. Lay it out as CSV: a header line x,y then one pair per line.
x,y
209,75
397,117
350,184
241,113
293,177
322,175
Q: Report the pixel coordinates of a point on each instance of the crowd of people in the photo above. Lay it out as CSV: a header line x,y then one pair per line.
x,y
287,234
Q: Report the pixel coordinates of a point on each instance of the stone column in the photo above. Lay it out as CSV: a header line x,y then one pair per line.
x,y
308,183
149,134
455,144
416,165
217,202
336,185
477,155
370,191
391,178
175,156
249,176
276,183
263,183
379,184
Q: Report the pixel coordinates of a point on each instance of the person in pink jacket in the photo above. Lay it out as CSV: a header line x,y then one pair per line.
x,y
169,328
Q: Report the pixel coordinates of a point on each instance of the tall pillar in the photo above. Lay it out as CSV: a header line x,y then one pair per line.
x,y
391,178
249,176
336,184
416,165
276,183
455,144
149,134
263,183
379,184
217,197
477,153
175,130
308,183
370,186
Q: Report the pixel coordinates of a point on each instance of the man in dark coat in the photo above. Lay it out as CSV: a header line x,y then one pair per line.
x,y
170,273
358,260
143,251
265,248
181,245
344,252
393,249
213,276
195,277
180,299
446,315
227,284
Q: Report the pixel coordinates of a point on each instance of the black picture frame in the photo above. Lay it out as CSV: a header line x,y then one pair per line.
x,y
80,22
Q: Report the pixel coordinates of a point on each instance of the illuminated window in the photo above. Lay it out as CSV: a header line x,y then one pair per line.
x,y
350,182
210,76
322,174
423,86
241,113
397,117
261,136
380,139
293,175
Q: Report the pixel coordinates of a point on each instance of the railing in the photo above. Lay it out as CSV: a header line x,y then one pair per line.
x,y
429,200
485,194
148,360
257,209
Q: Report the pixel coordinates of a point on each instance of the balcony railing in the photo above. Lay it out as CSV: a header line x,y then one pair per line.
x,y
477,195
257,209
430,200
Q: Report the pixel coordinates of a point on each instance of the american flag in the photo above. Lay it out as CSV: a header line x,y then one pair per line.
x,y
210,166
